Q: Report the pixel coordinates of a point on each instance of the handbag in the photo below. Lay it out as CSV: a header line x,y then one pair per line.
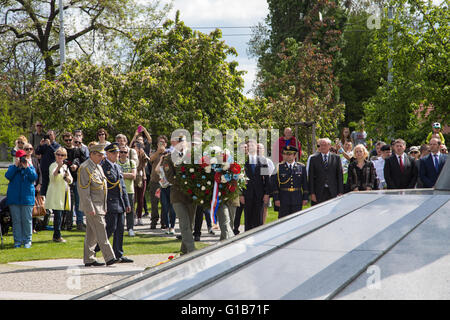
x,y
39,206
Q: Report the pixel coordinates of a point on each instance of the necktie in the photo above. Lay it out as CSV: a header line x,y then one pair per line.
x,y
253,164
325,161
436,162
401,164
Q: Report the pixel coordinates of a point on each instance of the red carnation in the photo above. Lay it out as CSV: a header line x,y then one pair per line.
x,y
235,168
183,169
206,191
189,191
193,177
231,188
171,257
204,161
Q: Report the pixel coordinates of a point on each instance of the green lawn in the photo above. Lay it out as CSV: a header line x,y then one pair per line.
x,y
44,248
3,182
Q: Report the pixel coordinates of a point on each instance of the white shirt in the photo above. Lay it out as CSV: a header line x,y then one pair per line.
x,y
379,167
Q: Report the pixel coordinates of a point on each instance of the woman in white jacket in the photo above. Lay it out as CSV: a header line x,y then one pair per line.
x,y
58,192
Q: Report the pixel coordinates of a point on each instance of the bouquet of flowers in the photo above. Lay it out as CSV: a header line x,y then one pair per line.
x,y
215,179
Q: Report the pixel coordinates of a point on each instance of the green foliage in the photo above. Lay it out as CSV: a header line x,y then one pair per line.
x,y
420,55
179,76
9,128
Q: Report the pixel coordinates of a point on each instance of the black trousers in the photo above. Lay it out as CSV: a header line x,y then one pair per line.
x,y
288,209
253,212
114,226
237,218
199,213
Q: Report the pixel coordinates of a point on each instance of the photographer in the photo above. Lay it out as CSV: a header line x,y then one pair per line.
x,y
75,157
140,183
58,194
20,198
47,149
154,182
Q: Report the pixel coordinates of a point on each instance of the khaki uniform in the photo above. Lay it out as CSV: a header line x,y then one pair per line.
x,y
183,205
93,190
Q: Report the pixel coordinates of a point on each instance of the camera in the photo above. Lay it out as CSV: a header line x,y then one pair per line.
x,y
139,145
23,159
46,136
67,162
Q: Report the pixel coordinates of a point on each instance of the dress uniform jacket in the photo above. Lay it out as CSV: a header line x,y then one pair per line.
x,y
117,193
92,188
290,187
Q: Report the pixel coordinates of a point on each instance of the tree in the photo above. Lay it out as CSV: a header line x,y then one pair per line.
x,y
297,73
36,24
179,76
420,55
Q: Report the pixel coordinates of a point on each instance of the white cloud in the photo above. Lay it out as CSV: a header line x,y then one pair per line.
x,y
231,12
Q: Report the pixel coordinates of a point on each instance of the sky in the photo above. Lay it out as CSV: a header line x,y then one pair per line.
x,y
226,13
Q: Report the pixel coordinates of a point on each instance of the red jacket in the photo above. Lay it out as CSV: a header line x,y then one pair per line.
x,y
292,142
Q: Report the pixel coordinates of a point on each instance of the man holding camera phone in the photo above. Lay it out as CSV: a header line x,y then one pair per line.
x,y
47,149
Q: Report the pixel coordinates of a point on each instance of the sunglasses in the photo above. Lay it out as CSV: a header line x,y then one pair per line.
x,y
124,152
101,134
39,125
28,149
68,140
20,142
77,142
60,155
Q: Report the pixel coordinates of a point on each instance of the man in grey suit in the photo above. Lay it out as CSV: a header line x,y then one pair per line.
x,y
93,190
325,174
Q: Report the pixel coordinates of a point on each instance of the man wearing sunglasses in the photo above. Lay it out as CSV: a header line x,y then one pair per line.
x,y
75,157
37,136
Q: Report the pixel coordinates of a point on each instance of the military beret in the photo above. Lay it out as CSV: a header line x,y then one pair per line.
x,y
290,149
112,147
97,148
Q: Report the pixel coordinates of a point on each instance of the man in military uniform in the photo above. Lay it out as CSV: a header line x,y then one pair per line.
x,y
93,194
117,200
290,184
182,203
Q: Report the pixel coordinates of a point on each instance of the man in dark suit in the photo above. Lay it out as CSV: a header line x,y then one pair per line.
x,y
400,170
257,188
117,200
431,165
325,173
290,184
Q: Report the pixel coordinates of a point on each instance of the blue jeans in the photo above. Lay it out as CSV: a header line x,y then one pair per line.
x,y
57,219
168,215
78,213
22,223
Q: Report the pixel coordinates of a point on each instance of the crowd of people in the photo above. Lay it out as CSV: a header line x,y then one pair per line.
x,y
106,184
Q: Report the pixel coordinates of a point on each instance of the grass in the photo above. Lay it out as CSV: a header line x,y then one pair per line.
x,y
44,248
3,182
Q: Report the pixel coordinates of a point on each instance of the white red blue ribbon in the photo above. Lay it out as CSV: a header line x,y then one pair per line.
x,y
214,203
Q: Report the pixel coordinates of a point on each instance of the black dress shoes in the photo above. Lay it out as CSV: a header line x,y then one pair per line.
x,y
94,264
111,262
125,260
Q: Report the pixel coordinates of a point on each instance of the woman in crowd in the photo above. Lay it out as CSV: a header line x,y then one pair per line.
x,y
32,161
58,193
102,137
345,136
140,183
20,142
20,198
168,215
362,175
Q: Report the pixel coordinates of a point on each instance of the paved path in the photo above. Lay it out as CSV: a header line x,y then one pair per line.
x,y
63,279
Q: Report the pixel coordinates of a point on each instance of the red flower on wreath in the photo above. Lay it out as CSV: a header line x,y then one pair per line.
x,y
206,191
235,168
183,169
193,177
204,161
189,191
231,187
217,177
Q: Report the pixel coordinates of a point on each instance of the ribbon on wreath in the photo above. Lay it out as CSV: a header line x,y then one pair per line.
x,y
214,203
